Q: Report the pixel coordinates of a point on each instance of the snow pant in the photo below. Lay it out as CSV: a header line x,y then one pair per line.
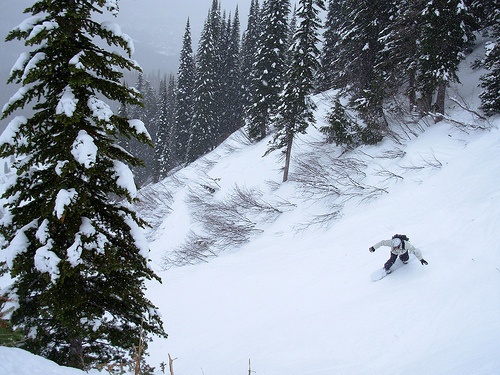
x,y
404,257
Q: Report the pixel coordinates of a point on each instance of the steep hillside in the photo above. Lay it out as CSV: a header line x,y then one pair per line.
x,y
290,289
297,297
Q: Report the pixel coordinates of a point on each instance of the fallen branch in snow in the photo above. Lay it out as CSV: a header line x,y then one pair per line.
x,y
467,108
395,153
387,174
238,140
324,178
432,162
322,220
464,126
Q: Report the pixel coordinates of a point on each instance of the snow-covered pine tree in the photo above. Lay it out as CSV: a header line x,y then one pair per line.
x,y
296,109
162,134
444,34
341,129
399,58
292,29
72,242
490,82
232,108
184,100
483,12
249,46
269,69
329,73
360,48
204,131
147,113
165,121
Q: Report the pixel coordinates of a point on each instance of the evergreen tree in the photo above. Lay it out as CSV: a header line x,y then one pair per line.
x,y
204,131
483,13
490,97
341,129
269,68
147,113
184,101
445,33
490,82
361,47
162,135
399,58
249,47
328,74
76,256
232,108
166,118
296,110
145,153
292,29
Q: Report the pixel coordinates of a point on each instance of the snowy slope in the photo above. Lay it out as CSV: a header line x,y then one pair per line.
x,y
298,299
19,362
302,302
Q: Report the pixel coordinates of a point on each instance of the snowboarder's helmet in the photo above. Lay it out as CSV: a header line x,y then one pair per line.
x,y
396,242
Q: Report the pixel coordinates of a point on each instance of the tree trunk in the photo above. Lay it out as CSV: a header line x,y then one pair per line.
x,y
76,354
424,103
171,364
440,98
288,156
412,96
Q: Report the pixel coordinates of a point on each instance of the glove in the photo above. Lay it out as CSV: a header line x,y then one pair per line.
x,y
372,249
424,262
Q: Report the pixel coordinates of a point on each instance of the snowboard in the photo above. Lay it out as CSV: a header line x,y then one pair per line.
x,y
381,273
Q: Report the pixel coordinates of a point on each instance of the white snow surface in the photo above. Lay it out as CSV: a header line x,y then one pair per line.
x,y
17,361
302,302
297,300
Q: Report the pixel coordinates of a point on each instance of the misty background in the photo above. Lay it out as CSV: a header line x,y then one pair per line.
x,y
156,26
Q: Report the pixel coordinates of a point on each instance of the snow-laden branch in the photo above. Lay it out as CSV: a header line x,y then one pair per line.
x,y
84,149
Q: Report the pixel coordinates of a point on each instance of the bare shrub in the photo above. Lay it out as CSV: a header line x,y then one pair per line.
x,y
395,153
251,202
429,162
387,174
225,223
194,250
154,204
334,181
238,140
321,220
337,178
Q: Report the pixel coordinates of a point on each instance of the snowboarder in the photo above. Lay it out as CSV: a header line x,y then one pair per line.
x,y
399,246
